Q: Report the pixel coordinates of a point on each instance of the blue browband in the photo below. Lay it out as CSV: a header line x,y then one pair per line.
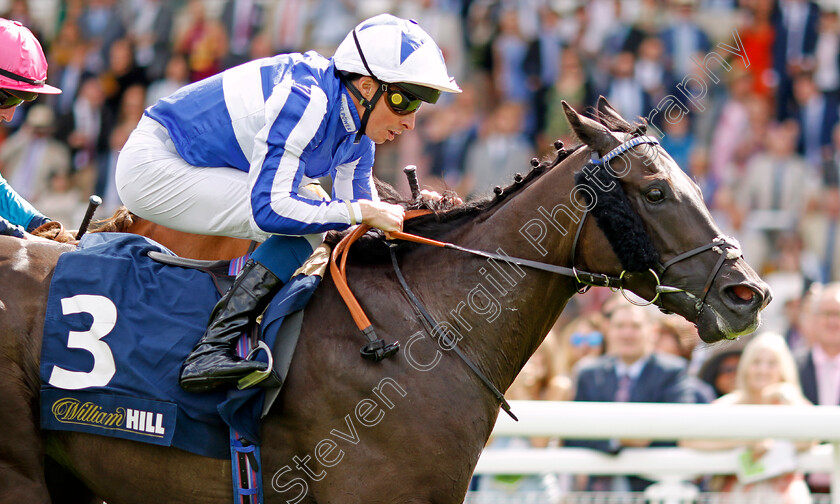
x,y
629,144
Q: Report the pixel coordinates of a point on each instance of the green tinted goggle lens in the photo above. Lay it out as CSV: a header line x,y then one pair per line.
x,y
8,100
401,102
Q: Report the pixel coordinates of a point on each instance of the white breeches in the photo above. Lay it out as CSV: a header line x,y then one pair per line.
x,y
155,183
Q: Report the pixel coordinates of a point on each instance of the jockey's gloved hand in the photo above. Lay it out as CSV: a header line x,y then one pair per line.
x,y
36,221
9,229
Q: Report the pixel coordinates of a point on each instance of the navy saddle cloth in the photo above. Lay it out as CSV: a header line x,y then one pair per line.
x,y
118,326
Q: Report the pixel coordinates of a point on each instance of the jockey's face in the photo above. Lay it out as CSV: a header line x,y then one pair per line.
x,y
384,124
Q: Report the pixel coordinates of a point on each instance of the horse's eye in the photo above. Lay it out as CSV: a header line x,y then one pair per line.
x,y
655,195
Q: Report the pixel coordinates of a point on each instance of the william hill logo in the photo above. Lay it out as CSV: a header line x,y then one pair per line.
x,y
74,411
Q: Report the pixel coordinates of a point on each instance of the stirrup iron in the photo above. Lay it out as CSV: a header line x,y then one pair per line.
x,y
257,377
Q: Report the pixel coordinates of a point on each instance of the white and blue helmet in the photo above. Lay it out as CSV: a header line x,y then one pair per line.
x,y
396,51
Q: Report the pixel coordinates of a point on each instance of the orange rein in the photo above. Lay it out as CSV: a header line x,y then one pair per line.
x,y
338,261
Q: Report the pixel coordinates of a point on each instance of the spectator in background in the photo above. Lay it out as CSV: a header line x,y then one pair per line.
x,y
821,233
631,371
150,32
650,69
100,25
775,192
624,92
626,35
449,133
766,375
62,199
542,65
572,85
577,342
795,26
190,24
721,367
675,336
500,151
86,120
202,40
31,154
731,128
509,51
819,368
242,21
790,271
68,56
683,39
817,116
679,141
131,111
287,29
329,21
175,77
757,35
827,55
122,73
18,10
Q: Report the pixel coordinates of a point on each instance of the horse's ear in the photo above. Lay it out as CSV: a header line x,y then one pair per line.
x,y
592,133
609,117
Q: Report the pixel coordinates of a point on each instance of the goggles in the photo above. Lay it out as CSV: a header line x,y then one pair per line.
x,y
591,339
9,100
400,101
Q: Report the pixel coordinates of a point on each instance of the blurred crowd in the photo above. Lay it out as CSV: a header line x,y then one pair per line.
x,y
746,94
622,352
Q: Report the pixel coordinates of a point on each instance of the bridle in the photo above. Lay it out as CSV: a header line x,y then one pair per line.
x,y
376,349
727,247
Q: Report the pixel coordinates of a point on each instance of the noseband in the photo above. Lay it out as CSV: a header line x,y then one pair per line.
x,y
726,247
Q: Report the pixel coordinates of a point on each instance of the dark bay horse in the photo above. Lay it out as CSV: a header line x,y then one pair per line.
x,y
408,429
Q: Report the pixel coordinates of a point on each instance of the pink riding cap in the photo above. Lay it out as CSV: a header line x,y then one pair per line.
x,y
23,66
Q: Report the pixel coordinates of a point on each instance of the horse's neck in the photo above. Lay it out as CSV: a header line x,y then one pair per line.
x,y
501,310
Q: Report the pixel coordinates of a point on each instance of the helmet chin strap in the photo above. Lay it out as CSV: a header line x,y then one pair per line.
x,y
364,102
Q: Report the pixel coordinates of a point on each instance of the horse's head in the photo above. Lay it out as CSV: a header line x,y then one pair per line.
x,y
654,228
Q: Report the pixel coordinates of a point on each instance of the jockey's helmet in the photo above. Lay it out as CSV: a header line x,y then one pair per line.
x,y
402,57
23,66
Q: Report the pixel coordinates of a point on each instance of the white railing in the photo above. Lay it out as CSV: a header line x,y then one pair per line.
x,y
664,422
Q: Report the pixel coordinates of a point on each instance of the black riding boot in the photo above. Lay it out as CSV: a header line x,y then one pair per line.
x,y
212,362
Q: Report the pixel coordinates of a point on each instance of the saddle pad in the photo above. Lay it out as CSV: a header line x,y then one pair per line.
x,y
118,326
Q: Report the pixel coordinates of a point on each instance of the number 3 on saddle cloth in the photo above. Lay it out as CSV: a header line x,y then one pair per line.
x,y
118,326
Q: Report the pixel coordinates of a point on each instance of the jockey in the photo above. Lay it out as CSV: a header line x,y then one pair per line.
x,y
23,73
231,155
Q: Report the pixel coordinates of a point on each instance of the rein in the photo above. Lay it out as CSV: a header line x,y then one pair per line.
x,y
377,350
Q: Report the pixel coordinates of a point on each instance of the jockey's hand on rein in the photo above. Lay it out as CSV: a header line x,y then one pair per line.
x,y
381,215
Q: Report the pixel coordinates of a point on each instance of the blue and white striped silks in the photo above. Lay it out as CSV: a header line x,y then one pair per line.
x,y
283,120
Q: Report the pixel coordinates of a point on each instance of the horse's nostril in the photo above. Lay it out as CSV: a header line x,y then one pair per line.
x,y
742,296
743,292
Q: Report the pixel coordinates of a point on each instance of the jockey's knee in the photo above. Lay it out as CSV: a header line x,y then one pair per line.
x,y
284,254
